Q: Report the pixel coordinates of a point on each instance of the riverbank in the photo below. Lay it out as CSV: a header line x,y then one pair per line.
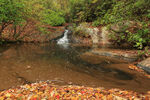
x,y
49,91
31,33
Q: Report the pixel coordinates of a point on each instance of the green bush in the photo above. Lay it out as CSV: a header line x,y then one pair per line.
x,y
11,12
136,36
141,38
53,18
120,11
88,10
144,53
96,22
126,10
81,30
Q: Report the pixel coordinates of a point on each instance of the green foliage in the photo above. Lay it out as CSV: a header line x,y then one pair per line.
x,y
126,10
77,9
144,53
119,12
48,11
103,12
139,37
81,30
11,12
43,30
88,10
53,18
99,12
96,22
96,11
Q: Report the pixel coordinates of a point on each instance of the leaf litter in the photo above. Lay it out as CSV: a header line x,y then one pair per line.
x,y
48,91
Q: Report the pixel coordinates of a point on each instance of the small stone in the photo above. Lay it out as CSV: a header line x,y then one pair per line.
x,y
70,83
28,67
19,79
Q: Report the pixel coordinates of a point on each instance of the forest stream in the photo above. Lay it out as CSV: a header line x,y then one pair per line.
x,y
28,63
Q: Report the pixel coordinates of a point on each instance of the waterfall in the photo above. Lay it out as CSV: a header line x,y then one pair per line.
x,y
64,41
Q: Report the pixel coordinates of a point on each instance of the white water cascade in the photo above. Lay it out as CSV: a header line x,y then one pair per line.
x,y
64,41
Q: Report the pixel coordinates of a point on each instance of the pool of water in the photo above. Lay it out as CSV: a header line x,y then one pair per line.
x,y
28,63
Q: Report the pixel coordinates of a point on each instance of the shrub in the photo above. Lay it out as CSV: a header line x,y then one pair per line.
x,y
81,30
141,38
53,18
137,36
144,53
11,12
96,22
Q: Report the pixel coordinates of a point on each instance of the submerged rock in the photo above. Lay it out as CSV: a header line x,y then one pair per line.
x,y
119,54
145,64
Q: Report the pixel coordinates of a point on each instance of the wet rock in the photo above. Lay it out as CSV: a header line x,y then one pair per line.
x,y
105,33
70,83
119,54
145,64
19,79
28,67
98,60
93,32
85,29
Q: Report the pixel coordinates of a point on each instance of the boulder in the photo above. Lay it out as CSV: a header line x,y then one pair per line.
x,y
93,32
145,65
119,54
105,33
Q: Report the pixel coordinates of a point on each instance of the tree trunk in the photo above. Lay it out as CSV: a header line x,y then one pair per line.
x,y
3,26
15,31
1,30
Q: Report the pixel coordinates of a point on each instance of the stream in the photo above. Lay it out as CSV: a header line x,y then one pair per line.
x,y
72,65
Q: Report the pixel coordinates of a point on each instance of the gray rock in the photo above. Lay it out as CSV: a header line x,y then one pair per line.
x,y
93,32
119,54
145,65
105,33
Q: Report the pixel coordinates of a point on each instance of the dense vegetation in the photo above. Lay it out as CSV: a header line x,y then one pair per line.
x,y
98,12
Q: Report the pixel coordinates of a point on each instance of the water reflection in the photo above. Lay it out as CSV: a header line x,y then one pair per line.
x,y
64,46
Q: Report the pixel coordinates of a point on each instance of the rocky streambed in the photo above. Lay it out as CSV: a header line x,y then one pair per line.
x,y
127,55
